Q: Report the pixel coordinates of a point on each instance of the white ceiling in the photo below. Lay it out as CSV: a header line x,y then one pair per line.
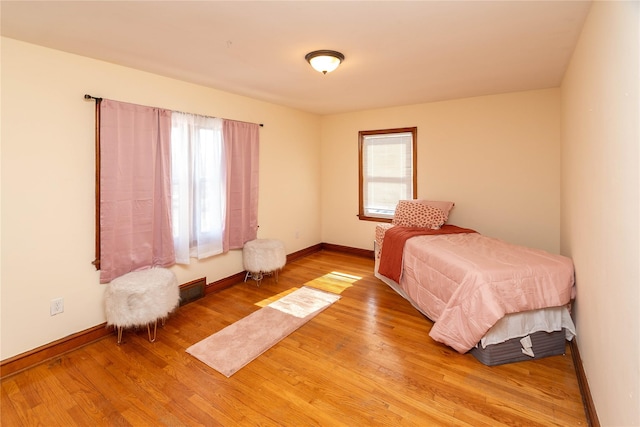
x,y
397,52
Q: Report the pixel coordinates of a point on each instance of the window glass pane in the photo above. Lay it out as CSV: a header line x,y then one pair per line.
x,y
382,197
208,213
198,183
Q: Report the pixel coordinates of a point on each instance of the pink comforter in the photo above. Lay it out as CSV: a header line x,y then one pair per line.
x,y
396,237
465,283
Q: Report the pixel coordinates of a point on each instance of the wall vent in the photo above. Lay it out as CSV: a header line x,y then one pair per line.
x,y
192,291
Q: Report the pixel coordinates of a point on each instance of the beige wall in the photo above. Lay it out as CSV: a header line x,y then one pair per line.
x,y
600,204
48,183
497,157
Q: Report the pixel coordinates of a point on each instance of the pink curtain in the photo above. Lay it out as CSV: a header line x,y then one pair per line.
x,y
241,141
135,185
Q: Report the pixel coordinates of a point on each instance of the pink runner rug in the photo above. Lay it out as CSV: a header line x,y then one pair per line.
x,y
233,347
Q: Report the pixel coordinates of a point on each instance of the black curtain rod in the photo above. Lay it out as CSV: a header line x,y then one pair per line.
x,y
92,97
100,99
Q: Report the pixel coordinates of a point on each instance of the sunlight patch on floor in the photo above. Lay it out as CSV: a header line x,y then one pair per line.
x,y
275,297
335,282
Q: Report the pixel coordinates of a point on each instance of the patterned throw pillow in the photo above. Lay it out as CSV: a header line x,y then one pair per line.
x,y
412,213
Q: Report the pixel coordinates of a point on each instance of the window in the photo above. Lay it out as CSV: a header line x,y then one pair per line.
x,y
171,186
387,171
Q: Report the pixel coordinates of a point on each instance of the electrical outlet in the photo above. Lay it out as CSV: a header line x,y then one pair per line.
x,y
57,306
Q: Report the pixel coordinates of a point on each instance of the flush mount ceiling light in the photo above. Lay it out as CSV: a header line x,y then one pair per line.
x,y
324,61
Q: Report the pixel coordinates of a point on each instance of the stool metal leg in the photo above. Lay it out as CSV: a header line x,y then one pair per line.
x,y
155,328
255,276
119,328
258,277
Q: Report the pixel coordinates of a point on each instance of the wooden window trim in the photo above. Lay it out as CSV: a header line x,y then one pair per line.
x,y
414,171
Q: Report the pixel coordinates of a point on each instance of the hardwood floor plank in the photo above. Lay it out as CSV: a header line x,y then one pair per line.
x,y
366,360
14,407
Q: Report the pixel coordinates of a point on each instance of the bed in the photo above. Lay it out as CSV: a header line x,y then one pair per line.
x,y
501,302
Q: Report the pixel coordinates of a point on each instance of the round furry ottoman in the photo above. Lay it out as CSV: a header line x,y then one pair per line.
x,y
263,256
141,298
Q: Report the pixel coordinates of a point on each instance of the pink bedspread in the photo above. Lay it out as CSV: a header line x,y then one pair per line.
x,y
465,283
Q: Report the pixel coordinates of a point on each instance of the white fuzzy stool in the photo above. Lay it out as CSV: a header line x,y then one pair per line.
x,y
263,256
141,298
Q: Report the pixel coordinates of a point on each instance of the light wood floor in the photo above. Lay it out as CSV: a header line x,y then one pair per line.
x,y
367,360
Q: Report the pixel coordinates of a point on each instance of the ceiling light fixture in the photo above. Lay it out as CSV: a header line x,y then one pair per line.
x,y
324,61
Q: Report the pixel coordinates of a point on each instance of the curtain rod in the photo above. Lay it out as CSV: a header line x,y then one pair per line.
x,y
86,96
